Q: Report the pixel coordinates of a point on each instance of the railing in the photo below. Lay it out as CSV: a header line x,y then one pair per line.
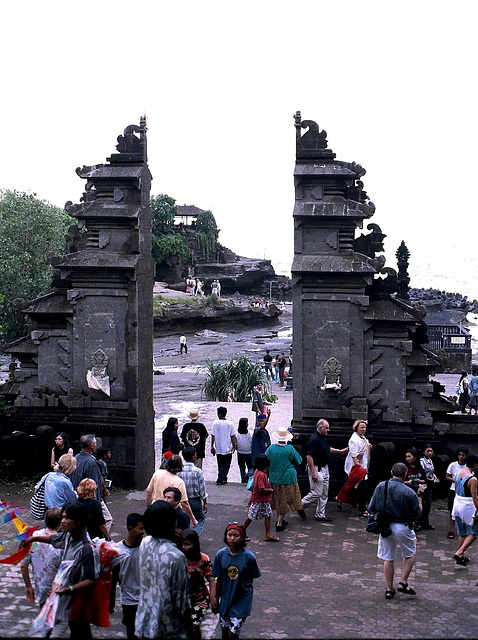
x,y
449,337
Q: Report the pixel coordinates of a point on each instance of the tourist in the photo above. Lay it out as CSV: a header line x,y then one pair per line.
x,y
44,560
214,288
275,365
87,465
403,506
126,566
172,495
465,506
164,478
194,434
164,605
257,400
170,438
223,444
318,456
58,487
452,471
234,568
462,388
103,456
76,545
244,449
202,586
260,437
61,447
260,501
473,392
431,478
268,365
218,288
356,467
96,524
183,346
282,364
414,478
284,460
195,487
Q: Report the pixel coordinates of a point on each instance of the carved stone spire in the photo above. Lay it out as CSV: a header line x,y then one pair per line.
x,y
312,146
402,254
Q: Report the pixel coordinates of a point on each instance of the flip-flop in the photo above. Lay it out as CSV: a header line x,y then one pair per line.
x,y
450,535
272,539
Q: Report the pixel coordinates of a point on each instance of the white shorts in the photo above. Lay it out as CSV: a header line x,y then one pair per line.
x,y
402,538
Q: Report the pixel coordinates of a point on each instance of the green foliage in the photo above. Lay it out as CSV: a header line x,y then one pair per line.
x,y
206,229
233,380
160,303
269,397
30,230
164,209
166,246
212,300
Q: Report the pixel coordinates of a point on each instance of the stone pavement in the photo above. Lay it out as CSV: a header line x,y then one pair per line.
x,y
320,580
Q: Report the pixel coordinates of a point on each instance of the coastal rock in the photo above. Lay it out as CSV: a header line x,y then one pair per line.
x,y
182,317
435,300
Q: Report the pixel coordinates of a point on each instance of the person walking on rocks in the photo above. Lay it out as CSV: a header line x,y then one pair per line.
x,y
223,444
403,506
183,345
318,455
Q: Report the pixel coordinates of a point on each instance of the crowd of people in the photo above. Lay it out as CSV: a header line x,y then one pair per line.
x,y
195,287
166,582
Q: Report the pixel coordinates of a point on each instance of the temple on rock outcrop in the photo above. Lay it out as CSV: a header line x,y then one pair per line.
x,y
359,345
87,365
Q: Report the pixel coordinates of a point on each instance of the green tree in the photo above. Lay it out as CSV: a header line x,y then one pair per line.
x,y
167,245
30,230
207,232
164,209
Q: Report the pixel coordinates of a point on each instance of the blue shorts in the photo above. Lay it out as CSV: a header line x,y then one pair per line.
x,y
464,529
402,538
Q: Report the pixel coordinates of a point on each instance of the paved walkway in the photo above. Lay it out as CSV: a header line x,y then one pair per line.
x,y
319,581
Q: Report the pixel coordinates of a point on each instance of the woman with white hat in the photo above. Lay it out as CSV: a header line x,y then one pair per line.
x,y
283,459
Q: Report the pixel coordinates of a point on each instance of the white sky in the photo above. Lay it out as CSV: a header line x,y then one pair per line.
x,y
393,84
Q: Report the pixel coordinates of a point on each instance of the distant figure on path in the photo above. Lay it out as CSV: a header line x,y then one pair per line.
x,y
223,444
218,288
463,394
268,365
318,456
404,506
244,449
257,400
214,288
183,345
282,364
473,392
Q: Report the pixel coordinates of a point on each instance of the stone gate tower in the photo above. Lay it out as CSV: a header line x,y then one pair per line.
x,y
87,366
359,348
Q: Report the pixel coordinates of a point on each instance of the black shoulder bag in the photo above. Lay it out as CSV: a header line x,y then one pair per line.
x,y
379,523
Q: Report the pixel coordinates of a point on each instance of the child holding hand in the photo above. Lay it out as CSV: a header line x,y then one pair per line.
x,y
234,568
202,586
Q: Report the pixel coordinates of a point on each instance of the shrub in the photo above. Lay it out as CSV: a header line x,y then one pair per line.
x,y
232,381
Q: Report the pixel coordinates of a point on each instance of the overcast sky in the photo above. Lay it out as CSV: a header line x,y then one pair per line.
x,y
393,84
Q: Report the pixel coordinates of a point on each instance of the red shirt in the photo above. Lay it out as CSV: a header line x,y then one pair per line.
x,y
261,482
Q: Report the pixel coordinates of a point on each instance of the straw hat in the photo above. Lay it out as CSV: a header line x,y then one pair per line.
x,y
282,435
194,414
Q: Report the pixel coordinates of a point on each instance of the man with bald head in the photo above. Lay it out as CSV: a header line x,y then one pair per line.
x,y
318,455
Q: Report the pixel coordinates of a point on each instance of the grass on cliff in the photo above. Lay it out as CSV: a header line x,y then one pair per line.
x,y
160,303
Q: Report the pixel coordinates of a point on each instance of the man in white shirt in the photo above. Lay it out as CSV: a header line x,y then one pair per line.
x,y
223,444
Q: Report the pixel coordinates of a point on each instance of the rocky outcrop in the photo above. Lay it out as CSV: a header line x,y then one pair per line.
x,y
436,299
176,317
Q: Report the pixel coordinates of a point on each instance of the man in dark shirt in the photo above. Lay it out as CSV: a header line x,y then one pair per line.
x,y
402,505
318,454
268,365
173,496
194,434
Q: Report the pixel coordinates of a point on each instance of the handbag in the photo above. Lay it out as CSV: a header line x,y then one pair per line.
x,y
379,523
37,502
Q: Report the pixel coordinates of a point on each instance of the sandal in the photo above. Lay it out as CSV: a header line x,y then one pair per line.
x,y
389,593
339,504
272,539
404,588
364,514
450,535
463,560
247,539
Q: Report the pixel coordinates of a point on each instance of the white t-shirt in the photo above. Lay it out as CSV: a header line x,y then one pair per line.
x,y
223,430
244,443
453,470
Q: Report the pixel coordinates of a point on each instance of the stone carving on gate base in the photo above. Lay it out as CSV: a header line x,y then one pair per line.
x,y
332,371
97,377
